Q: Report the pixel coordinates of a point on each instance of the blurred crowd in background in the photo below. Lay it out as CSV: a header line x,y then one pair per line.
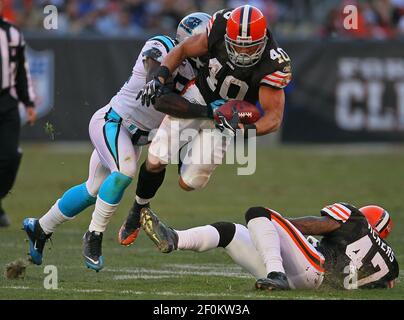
x,y
377,19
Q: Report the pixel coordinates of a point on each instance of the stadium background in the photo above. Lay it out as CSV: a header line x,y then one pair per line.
x,y
341,138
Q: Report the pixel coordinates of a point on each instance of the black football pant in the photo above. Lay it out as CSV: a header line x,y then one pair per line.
x,y
10,156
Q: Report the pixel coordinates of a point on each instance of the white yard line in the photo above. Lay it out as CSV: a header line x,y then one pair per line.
x,y
185,272
176,294
208,266
144,277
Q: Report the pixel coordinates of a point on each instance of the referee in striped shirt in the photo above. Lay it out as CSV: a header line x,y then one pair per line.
x,y
15,86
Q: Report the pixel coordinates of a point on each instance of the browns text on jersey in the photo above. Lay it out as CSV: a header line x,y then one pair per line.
x,y
355,255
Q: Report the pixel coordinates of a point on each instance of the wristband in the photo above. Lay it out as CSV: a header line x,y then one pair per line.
x,y
163,72
249,127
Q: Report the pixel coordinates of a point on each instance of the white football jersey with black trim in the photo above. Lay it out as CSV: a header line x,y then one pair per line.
x,y
133,114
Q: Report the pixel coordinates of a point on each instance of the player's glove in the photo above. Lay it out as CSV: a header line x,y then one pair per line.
x,y
313,241
228,126
217,104
152,90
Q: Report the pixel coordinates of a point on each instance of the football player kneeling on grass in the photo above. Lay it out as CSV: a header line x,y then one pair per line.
x,y
351,254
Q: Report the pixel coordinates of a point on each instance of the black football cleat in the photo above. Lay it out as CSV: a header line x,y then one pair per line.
x,y
274,281
37,239
92,250
165,238
131,226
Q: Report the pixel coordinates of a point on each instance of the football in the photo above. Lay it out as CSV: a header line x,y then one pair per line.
x,y
247,112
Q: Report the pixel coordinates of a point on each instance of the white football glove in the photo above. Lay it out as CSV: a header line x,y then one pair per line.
x,y
313,241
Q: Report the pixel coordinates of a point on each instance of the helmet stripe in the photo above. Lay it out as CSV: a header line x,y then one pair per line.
x,y
244,20
383,221
249,20
240,25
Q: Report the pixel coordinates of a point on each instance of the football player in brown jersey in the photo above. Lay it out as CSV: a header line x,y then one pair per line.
x,y
352,253
243,62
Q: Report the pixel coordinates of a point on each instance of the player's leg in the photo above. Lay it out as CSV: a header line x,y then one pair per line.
x,y
114,147
73,201
164,148
10,154
205,153
284,250
234,238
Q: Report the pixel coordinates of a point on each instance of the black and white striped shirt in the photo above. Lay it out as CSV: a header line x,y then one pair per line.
x,y
15,77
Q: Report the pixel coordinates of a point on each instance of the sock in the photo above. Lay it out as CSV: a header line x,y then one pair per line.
x,y
102,214
53,218
75,200
148,183
242,251
266,240
198,239
141,201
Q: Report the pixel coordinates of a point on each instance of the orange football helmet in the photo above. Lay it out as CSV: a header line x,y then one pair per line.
x,y
246,36
379,219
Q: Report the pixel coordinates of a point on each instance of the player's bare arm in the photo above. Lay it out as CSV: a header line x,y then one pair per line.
x,y
194,46
176,106
273,102
151,66
315,226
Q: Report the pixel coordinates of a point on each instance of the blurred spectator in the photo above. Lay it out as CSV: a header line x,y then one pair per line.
x,y
379,19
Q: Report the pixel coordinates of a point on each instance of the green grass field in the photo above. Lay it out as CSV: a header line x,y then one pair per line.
x,y
292,180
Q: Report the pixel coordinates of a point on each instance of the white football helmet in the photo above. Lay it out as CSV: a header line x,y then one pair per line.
x,y
193,24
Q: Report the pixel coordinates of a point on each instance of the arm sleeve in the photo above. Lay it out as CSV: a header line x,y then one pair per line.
x,y
337,211
277,79
157,48
25,90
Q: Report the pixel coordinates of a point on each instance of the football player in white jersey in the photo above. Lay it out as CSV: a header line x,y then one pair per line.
x,y
117,132
351,254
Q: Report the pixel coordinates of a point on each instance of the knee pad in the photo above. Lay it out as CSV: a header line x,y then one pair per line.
x,y
256,212
75,200
226,231
194,177
128,168
113,187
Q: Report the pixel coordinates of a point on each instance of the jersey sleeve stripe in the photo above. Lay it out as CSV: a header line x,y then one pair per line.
x,y
339,213
280,75
344,209
272,77
333,214
274,83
